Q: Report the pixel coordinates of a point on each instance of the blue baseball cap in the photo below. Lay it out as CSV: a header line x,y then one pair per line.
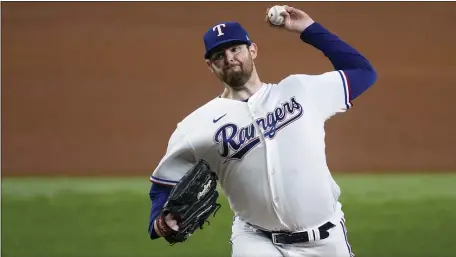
x,y
224,32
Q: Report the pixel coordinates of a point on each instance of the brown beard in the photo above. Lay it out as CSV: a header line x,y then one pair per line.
x,y
237,79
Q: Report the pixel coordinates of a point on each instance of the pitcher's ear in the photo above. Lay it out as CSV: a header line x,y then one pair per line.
x,y
209,65
253,49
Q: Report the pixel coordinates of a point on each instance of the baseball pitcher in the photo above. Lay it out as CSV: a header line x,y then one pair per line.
x,y
264,144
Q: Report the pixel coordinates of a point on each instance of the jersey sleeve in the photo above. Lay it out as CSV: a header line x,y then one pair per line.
x,y
178,160
328,92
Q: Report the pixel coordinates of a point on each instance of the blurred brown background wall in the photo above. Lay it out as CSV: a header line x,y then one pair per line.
x,y
97,88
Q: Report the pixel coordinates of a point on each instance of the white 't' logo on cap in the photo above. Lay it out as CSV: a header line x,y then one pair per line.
x,y
219,29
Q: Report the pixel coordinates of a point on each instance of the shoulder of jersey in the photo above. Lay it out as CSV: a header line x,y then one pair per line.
x,y
201,114
300,79
290,81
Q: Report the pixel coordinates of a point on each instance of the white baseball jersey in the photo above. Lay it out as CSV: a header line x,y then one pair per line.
x,y
268,152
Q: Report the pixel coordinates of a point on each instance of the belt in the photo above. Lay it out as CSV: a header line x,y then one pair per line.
x,y
299,237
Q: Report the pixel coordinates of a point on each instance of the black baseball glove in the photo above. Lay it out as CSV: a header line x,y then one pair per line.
x,y
191,202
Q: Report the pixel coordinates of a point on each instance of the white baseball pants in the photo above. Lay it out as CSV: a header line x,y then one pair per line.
x,y
246,241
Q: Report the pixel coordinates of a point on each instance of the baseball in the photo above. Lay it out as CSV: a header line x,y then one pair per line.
x,y
274,15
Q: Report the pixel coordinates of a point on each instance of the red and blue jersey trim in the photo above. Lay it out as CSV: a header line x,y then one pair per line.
x,y
346,85
162,181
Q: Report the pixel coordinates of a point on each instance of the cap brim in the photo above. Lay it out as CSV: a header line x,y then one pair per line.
x,y
208,53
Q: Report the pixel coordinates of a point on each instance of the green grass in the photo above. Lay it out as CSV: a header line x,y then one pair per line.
x,y
389,215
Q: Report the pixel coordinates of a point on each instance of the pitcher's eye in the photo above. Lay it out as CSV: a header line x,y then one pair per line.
x,y
235,49
218,56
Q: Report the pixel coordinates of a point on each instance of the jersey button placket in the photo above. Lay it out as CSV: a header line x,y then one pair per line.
x,y
270,144
251,110
267,144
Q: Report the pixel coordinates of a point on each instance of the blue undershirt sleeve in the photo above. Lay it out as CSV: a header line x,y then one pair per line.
x,y
158,195
359,72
